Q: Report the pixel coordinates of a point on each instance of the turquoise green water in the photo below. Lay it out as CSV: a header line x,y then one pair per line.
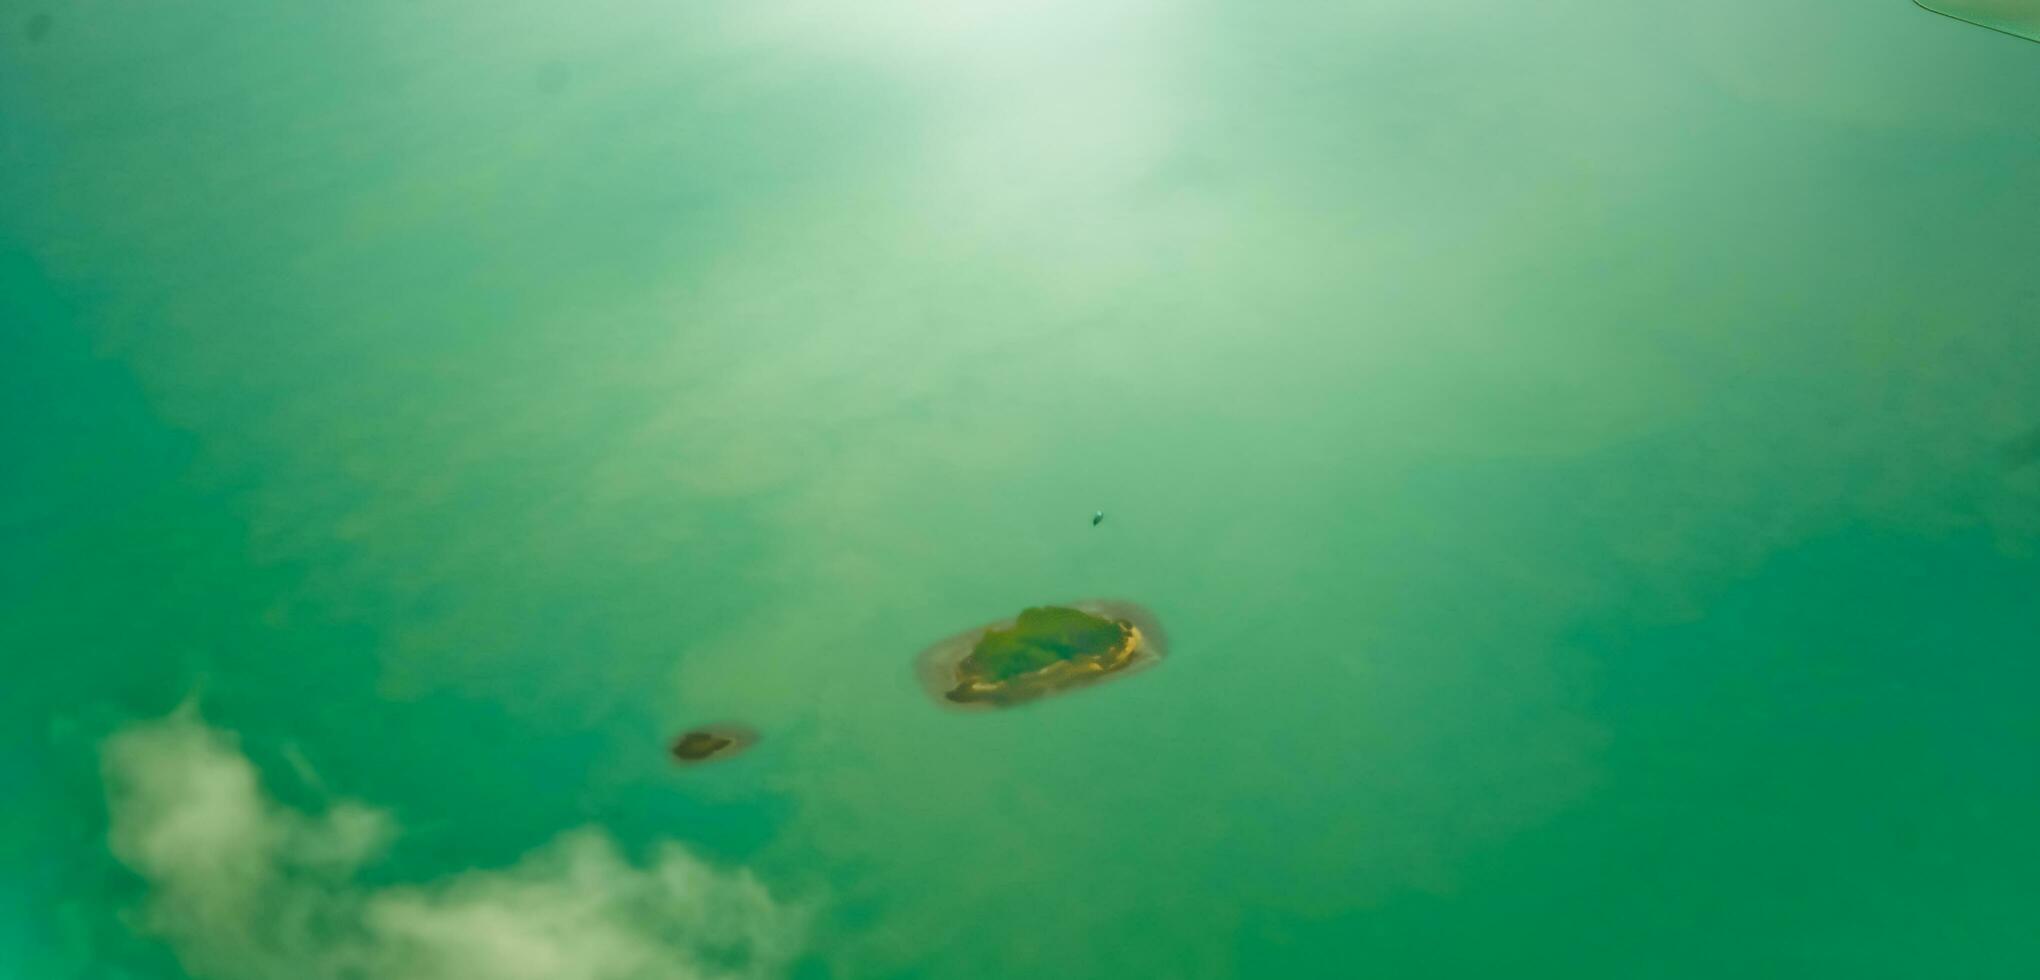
x,y
1583,456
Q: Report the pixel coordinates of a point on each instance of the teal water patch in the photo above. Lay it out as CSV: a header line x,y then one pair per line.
x,y
38,26
2020,18
2023,451
1817,754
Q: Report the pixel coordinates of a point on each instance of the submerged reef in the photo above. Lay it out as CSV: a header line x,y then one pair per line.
x,y
1044,651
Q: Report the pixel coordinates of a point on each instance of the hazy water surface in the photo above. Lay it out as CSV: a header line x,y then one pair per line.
x,y
1576,451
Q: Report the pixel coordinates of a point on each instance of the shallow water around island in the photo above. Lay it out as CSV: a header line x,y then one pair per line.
x,y
1575,451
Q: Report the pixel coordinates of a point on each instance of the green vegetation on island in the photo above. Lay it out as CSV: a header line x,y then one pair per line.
x,y
1045,650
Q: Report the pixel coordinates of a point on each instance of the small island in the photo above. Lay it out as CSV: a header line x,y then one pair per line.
x,y
1046,650
711,742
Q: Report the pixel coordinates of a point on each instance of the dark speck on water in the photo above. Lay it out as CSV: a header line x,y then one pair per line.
x,y
710,742
699,745
38,26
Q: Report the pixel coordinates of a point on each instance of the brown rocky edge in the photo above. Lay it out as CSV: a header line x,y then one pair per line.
x,y
996,666
709,743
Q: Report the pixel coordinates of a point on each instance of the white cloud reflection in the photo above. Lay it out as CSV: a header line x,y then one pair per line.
x,y
243,887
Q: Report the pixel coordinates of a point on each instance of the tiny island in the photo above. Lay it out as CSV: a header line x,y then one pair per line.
x,y
711,742
1045,650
